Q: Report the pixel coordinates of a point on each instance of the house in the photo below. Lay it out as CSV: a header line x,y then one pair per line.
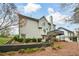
x,y
76,35
68,35
33,28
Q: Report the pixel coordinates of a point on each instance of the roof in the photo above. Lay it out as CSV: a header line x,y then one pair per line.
x,y
65,29
46,20
56,32
29,17
34,19
59,32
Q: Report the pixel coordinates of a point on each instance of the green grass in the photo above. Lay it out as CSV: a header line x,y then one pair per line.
x,y
30,50
4,40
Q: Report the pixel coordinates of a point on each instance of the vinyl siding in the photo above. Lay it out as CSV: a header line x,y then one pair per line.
x,y
30,29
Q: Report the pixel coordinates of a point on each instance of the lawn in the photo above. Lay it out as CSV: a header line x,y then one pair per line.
x,y
4,40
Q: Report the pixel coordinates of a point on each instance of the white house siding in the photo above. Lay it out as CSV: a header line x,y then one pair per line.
x,y
77,38
65,36
77,35
30,29
45,26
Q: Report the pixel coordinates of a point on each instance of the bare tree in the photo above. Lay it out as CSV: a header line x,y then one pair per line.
x,y
75,16
74,10
8,16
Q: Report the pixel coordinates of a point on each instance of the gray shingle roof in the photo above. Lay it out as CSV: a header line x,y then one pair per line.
x,y
29,17
65,29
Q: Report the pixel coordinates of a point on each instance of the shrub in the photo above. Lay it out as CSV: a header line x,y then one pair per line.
x,y
28,50
20,39
17,38
36,39
31,50
60,47
33,39
27,40
39,39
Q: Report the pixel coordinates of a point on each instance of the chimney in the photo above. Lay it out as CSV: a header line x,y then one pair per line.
x,y
51,19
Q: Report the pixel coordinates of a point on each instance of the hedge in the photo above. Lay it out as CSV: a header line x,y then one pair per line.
x,y
27,40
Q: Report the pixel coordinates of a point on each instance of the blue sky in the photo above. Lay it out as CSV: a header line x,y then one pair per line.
x,y
47,9
42,12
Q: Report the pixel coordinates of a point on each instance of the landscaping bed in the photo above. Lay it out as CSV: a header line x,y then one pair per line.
x,y
22,39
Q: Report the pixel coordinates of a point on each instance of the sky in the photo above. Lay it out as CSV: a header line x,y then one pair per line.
x,y
37,10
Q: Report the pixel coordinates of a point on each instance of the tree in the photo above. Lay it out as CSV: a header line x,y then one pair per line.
x,y
75,17
74,10
8,16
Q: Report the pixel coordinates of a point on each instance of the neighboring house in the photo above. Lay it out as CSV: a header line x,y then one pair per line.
x,y
68,35
33,28
77,35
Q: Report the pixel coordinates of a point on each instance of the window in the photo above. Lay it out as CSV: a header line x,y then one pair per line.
x,y
23,35
44,31
39,27
46,28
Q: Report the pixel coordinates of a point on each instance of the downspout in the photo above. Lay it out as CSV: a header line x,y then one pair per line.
x,y
51,19
19,27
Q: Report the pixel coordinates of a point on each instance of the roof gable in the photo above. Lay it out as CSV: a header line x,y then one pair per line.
x,y
45,19
65,29
34,19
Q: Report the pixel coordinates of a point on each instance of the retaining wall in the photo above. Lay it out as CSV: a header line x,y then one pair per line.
x,y
9,47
